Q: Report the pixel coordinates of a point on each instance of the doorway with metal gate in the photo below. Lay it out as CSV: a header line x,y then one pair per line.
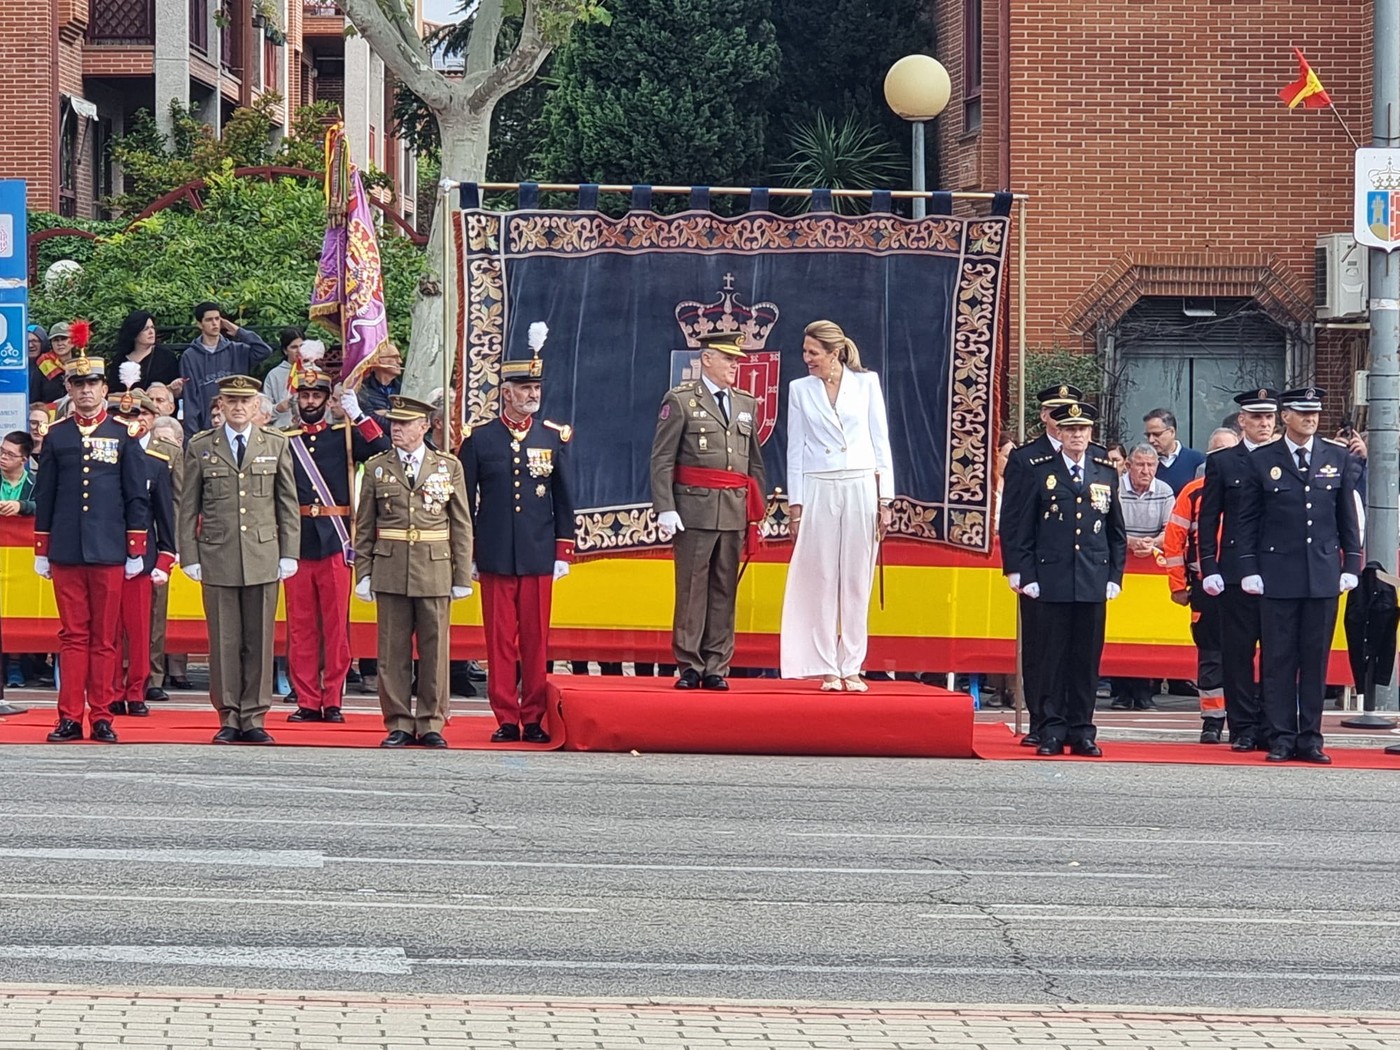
x,y
1190,356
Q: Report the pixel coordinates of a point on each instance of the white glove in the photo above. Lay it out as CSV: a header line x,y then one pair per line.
x,y
458,593
475,575
1252,585
350,405
1031,590
193,572
363,592
1214,585
1014,580
159,578
1349,582
41,566
561,569
134,567
286,568
1112,591
668,523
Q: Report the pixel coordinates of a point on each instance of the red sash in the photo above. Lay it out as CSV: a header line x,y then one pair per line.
x,y
755,507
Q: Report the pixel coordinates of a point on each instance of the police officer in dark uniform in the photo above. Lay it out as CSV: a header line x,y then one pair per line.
x,y
318,596
1013,490
1070,547
92,486
1218,536
1300,548
516,471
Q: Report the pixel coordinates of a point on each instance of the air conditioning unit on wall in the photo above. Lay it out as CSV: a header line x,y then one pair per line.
x,y
1342,277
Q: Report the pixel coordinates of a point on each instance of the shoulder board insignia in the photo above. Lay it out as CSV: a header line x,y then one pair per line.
x,y
1101,461
682,388
156,454
1334,441
565,431
292,432
1038,460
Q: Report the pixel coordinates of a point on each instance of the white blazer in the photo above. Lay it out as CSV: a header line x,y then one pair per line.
x,y
852,436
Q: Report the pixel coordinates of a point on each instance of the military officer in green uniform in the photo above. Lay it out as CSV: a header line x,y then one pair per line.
x,y
240,534
707,492
413,557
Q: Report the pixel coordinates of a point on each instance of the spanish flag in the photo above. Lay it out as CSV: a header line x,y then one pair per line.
x,y
1307,89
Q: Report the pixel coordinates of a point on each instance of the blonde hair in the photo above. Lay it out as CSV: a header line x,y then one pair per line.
x,y
835,341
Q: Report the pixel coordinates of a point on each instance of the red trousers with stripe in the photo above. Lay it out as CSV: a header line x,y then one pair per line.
x,y
89,600
515,615
318,624
133,639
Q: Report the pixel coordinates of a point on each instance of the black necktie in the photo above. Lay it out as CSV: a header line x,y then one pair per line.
x,y
1302,455
242,444
410,472
722,397
1074,476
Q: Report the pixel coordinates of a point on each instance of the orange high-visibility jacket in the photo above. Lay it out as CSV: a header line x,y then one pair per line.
x,y
1179,547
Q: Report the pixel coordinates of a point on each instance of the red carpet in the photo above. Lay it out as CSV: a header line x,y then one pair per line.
x,y
994,740
764,716
165,726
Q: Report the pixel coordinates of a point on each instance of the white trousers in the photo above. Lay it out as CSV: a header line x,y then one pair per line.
x,y
826,605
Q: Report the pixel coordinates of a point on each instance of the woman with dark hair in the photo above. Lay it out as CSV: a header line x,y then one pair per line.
x,y
278,382
136,342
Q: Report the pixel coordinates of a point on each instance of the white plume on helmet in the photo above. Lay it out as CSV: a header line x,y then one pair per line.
x,y
539,332
312,350
129,373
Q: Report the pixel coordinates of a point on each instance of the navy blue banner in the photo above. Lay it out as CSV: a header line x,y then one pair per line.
x,y
626,298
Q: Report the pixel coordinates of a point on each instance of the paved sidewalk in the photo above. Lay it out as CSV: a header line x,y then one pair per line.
x,y
68,1018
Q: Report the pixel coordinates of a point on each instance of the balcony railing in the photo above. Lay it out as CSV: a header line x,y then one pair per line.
x,y
121,22
320,9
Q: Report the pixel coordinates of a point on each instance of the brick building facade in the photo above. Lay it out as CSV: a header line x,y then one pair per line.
x,y
78,70
1175,201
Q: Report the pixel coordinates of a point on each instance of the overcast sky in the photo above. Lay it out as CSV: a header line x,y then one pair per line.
x,y
441,10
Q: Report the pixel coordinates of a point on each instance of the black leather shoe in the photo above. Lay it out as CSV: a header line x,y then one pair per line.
x,y
432,740
1030,740
181,683
102,732
291,697
332,714
1246,741
1210,730
1086,749
689,679
1145,705
1278,754
506,734
304,714
67,730
138,709
1315,755
227,735
1050,747
118,707
156,695
255,736
534,734
714,681
1121,705
398,738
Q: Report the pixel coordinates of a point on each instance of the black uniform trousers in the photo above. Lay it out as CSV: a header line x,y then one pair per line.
x,y
1206,634
1297,637
1070,637
1033,659
1239,636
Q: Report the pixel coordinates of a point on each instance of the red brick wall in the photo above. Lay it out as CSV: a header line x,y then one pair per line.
x,y
28,146
1156,127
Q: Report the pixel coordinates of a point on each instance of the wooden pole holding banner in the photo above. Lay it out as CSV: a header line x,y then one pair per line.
x,y
724,191
449,341
1017,690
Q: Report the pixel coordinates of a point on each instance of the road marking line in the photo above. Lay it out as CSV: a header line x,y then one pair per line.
x,y
1176,919
247,858
302,822
391,961
1023,838
265,902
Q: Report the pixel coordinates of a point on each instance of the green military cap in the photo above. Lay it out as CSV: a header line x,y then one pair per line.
x,y
731,343
239,386
406,408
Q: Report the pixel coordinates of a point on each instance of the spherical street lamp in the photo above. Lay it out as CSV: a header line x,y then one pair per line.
x,y
917,88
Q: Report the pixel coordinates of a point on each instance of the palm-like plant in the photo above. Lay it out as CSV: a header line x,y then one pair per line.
x,y
845,155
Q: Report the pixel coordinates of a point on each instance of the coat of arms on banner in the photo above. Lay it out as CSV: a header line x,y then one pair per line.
x,y
758,372
1377,198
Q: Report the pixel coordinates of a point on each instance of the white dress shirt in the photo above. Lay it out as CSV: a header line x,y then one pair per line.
x,y
1293,448
853,435
412,461
232,436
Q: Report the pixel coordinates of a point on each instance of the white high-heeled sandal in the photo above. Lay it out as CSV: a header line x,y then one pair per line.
x,y
855,684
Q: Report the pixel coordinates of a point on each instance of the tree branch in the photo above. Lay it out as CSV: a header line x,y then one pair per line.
x,y
394,38
517,68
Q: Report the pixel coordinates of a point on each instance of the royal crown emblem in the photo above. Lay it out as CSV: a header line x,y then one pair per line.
x,y
1075,411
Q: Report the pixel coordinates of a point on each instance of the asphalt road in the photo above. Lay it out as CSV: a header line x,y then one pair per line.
x,y
564,874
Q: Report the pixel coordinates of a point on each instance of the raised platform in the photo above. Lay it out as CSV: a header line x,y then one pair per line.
x,y
764,716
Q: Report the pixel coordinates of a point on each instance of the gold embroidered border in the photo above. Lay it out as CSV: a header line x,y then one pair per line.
x,y
484,312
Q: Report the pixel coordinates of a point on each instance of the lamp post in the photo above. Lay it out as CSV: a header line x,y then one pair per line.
x,y
917,88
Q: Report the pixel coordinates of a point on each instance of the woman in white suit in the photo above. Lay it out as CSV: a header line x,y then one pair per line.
x,y
840,485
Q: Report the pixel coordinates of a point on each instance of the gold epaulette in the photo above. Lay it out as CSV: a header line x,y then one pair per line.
x,y
565,431
158,455
291,432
